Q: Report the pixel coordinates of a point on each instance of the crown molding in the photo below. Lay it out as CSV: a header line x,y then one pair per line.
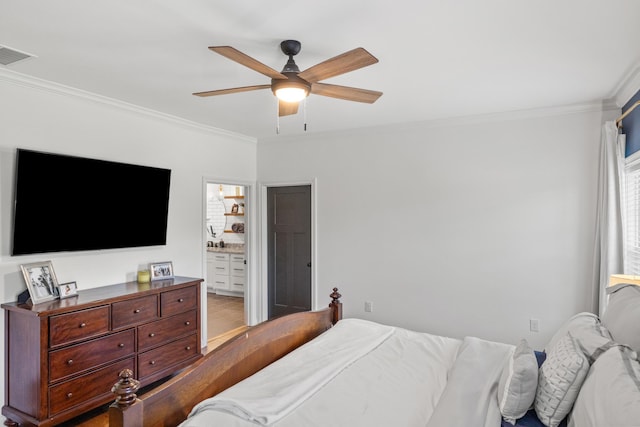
x,y
477,119
30,82
629,85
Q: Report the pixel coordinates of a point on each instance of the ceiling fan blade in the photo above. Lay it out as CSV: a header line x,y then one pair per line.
x,y
287,108
345,92
239,57
232,90
348,61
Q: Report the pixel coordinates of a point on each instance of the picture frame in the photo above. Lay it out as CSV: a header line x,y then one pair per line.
x,y
234,208
41,281
67,290
161,270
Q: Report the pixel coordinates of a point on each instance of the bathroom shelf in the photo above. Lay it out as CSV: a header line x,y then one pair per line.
x,y
233,214
234,197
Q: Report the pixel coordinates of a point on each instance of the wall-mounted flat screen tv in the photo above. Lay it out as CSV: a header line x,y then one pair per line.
x,y
68,203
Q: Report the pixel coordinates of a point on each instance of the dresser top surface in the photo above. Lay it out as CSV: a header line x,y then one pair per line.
x,y
102,294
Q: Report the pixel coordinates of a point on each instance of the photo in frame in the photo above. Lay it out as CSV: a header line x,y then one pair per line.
x,y
66,290
161,270
41,281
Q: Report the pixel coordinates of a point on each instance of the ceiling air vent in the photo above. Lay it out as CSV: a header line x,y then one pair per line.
x,y
10,56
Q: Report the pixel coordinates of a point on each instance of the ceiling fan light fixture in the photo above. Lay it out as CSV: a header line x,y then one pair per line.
x,y
291,94
291,89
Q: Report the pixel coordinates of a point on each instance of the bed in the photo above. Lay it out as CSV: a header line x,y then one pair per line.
x,y
314,369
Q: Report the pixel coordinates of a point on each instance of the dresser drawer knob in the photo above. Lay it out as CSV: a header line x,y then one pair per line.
x,y
69,395
188,347
121,345
152,334
137,310
70,362
82,325
187,323
180,299
152,362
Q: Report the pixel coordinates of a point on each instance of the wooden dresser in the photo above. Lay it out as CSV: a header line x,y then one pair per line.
x,y
63,356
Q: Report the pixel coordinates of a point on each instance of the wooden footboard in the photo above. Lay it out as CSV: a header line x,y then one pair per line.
x,y
241,356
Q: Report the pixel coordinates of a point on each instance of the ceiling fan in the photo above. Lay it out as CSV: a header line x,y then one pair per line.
x,y
291,85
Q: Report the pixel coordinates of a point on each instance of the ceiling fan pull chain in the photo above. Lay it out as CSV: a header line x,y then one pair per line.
x,y
277,117
304,109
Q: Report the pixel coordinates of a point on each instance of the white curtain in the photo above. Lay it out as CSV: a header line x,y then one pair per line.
x,y
609,249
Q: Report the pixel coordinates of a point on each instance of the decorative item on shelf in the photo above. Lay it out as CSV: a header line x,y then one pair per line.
x,y
241,208
221,244
41,281
238,191
161,270
143,276
237,227
66,290
234,208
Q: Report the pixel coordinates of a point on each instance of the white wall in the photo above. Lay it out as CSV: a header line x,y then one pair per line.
x,y
41,116
458,229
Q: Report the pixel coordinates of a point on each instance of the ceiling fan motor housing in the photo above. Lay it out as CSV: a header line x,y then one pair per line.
x,y
290,47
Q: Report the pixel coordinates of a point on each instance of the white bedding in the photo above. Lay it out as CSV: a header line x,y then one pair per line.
x,y
361,373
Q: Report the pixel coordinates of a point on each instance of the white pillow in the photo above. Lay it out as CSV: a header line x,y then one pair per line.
x,y
559,380
591,334
518,383
610,395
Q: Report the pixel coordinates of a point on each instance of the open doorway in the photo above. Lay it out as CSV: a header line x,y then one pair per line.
x,y
226,260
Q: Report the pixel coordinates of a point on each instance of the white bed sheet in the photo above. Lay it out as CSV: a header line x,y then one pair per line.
x,y
406,379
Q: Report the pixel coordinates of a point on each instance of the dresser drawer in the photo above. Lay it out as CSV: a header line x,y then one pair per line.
x,y
236,284
221,267
178,301
239,258
221,257
165,330
134,311
79,325
221,282
92,386
81,357
163,357
237,269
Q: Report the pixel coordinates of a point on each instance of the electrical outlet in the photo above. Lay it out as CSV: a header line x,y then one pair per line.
x,y
368,306
534,325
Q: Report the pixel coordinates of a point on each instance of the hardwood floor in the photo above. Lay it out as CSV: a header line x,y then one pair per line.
x,y
225,319
223,314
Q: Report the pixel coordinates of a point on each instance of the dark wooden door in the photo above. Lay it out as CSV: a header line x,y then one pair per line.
x,y
289,240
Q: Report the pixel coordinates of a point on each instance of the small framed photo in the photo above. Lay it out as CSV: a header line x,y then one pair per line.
x,y
161,270
66,290
234,208
41,281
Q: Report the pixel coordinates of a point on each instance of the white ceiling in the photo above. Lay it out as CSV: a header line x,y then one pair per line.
x,y
438,58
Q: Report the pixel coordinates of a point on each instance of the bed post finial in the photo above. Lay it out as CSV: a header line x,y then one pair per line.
x,y
125,389
336,305
126,411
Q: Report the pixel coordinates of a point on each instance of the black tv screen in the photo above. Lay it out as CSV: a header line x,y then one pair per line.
x,y
67,203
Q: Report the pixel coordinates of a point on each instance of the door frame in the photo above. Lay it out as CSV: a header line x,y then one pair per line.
x,y
261,294
251,252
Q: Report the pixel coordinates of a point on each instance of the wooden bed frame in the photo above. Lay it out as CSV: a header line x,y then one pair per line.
x,y
171,402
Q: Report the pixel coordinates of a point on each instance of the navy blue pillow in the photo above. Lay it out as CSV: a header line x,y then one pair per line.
x,y
530,419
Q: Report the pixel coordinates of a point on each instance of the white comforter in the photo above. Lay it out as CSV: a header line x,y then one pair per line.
x,y
361,373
